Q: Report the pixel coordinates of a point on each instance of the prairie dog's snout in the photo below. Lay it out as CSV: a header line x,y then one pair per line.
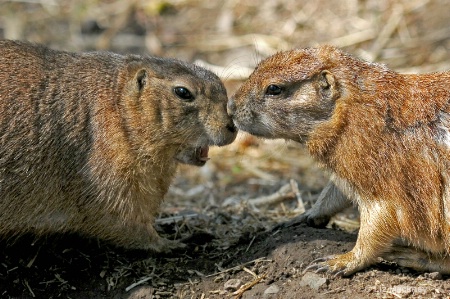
x,y
232,128
231,107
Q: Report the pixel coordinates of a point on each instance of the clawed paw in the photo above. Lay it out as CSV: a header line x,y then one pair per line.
x,y
336,265
324,265
307,218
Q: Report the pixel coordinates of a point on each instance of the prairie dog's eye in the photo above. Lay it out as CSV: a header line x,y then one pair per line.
x,y
273,90
183,93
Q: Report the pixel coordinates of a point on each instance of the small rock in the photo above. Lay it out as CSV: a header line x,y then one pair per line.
x,y
273,289
232,285
435,276
313,280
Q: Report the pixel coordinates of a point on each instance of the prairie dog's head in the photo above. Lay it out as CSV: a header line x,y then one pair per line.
x,y
287,95
178,107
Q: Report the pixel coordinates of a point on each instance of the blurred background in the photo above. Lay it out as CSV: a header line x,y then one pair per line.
x,y
404,34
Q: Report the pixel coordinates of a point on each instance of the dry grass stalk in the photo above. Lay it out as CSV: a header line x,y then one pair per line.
x,y
300,205
257,171
385,34
31,262
248,286
29,289
354,38
287,191
239,267
137,283
250,272
250,245
174,219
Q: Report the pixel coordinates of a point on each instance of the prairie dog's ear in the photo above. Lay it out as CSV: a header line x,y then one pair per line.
x,y
140,79
328,85
137,74
326,79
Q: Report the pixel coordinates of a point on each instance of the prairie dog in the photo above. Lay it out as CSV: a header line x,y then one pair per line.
x,y
384,136
89,142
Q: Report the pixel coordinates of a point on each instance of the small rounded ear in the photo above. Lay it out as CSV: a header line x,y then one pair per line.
x,y
140,79
137,75
328,84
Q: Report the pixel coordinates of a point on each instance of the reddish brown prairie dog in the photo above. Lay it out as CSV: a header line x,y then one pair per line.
x,y
384,136
89,142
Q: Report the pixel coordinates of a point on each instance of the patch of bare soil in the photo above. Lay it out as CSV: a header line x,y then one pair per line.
x,y
225,212
259,265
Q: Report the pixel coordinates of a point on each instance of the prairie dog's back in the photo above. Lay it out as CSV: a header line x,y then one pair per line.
x,y
44,132
44,94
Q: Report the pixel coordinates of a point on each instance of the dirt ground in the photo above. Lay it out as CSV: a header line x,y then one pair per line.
x,y
226,211
230,244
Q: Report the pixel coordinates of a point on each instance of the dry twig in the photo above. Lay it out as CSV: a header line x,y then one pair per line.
x,y
289,190
248,286
29,289
173,219
239,267
300,205
137,283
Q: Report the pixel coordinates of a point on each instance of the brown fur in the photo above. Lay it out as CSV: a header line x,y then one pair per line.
x,y
89,142
384,136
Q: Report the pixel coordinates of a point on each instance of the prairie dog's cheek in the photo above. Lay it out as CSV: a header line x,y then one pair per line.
x,y
265,119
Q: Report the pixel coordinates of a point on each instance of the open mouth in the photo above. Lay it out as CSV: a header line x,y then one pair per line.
x,y
194,156
202,153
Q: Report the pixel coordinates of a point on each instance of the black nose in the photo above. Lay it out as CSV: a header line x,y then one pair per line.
x,y
232,128
231,107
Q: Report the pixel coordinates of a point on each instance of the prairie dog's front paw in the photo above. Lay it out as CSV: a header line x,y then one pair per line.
x,y
308,218
314,220
338,265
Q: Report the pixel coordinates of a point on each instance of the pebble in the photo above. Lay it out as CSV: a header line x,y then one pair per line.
x,y
232,285
435,275
313,280
273,289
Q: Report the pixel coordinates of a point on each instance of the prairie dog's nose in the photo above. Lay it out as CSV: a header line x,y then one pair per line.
x,y
231,107
232,128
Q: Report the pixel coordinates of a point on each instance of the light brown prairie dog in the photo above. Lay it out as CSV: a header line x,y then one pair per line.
x,y
384,136
89,142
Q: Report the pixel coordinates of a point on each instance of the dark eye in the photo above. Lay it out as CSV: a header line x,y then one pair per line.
x,y
183,93
273,90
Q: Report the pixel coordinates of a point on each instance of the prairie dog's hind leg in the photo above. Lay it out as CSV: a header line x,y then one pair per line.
x,y
375,238
418,260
